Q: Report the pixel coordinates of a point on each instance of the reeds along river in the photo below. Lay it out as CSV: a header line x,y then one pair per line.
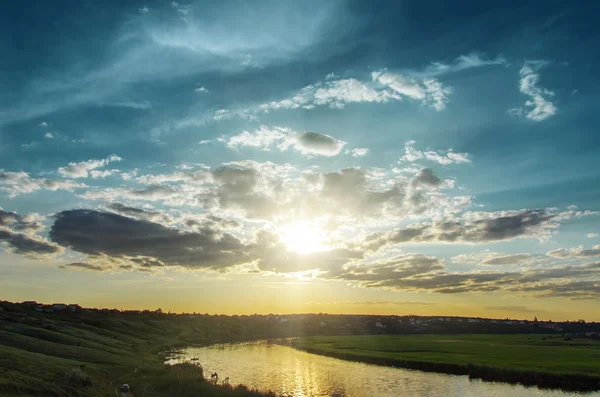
x,y
290,372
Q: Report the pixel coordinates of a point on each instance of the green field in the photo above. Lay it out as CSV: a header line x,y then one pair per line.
x,y
531,353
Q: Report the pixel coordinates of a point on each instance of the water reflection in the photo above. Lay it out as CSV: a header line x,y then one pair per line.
x,y
290,372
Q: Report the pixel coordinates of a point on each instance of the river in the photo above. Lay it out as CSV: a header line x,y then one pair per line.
x,y
290,372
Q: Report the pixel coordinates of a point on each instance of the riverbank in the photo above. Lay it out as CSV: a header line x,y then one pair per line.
x,y
531,360
92,354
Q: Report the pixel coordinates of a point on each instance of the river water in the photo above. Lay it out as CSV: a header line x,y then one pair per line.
x,y
290,372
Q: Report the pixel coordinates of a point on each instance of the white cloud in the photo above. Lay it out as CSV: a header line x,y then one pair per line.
x,y
592,235
463,62
95,174
15,183
82,169
201,89
307,143
538,107
222,114
204,142
430,91
183,9
144,10
578,252
411,155
263,138
48,135
43,124
338,93
493,259
360,152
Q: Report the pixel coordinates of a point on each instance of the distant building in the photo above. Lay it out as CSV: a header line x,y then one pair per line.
x,y
29,303
74,307
59,306
379,325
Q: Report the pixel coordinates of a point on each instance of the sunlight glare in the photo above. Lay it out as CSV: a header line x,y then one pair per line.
x,y
303,237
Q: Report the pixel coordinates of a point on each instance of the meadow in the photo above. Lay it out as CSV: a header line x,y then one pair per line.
x,y
541,358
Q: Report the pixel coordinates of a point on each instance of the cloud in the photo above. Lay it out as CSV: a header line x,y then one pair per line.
x,y
202,89
18,233
97,233
360,152
138,213
314,143
16,183
399,267
449,157
334,94
83,266
430,91
474,227
150,193
48,135
104,235
307,143
578,252
538,107
521,309
183,9
143,10
418,273
461,63
82,169
29,224
494,259
43,124
592,235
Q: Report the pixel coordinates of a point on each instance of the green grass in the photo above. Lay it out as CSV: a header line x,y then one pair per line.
x,y
37,351
507,352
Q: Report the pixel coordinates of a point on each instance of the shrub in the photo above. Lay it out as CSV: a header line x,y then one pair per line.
x,y
76,376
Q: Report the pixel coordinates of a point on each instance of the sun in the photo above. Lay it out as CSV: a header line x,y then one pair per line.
x,y
303,237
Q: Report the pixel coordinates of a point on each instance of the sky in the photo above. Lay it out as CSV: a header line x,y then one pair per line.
x,y
302,156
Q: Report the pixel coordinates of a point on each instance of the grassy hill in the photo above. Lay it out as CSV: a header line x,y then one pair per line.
x,y
90,353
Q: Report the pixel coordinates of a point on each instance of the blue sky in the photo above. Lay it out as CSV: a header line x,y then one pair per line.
x,y
301,140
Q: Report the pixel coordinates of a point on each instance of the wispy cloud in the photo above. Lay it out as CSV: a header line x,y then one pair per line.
x,y
539,107
82,169
445,158
430,91
360,152
463,62
15,183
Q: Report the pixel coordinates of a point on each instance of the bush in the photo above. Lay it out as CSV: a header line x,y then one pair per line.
x,y
76,376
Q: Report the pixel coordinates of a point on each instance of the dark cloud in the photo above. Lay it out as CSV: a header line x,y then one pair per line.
x,y
486,227
316,143
18,233
14,221
99,233
416,272
426,177
138,213
83,266
28,245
